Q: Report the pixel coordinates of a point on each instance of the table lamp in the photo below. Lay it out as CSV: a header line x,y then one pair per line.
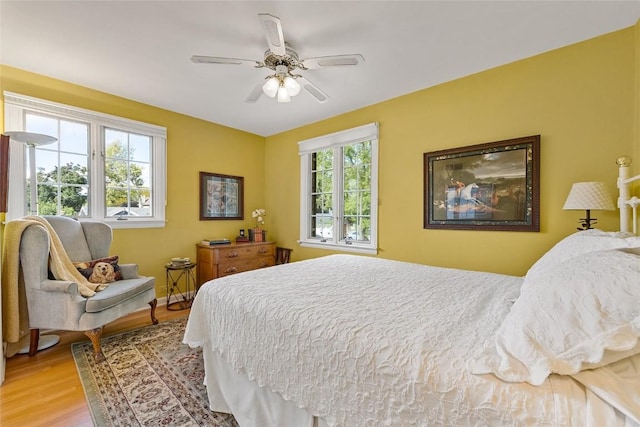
x,y
588,196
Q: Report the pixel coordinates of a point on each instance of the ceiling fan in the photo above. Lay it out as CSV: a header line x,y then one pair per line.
x,y
283,60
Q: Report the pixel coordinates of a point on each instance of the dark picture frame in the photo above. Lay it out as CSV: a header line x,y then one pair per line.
x,y
4,172
221,196
492,186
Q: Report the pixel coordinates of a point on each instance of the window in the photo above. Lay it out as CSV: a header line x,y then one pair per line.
x,y
127,173
339,190
101,167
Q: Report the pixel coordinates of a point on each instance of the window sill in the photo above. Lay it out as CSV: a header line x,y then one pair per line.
x,y
130,223
339,247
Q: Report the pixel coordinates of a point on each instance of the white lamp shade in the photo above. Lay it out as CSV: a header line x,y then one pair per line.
x,y
589,196
270,87
30,138
292,86
283,94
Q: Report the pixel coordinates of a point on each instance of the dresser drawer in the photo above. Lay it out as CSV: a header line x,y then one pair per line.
x,y
244,252
239,265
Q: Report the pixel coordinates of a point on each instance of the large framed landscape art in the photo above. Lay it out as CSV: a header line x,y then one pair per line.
x,y
491,186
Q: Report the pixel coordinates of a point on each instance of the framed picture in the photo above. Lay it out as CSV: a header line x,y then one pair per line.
x,y
492,186
221,196
4,173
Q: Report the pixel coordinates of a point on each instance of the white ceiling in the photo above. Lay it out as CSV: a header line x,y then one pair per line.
x,y
141,50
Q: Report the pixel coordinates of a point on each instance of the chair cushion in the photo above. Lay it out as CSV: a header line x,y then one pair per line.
x,y
117,292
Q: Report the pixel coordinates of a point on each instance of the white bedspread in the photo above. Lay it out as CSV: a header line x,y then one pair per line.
x,y
360,341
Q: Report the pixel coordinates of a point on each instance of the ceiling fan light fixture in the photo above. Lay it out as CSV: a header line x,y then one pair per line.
x,y
270,87
281,58
293,87
283,94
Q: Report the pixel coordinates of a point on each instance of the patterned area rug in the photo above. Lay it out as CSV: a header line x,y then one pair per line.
x,y
149,378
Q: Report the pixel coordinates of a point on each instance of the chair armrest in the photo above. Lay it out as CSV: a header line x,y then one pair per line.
x,y
129,271
56,304
60,286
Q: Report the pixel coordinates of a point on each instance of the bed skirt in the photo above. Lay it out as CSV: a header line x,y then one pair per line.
x,y
252,406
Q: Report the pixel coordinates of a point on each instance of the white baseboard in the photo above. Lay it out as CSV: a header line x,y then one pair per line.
x,y
161,302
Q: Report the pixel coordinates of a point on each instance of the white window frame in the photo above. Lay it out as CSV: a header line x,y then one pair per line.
x,y
306,148
15,107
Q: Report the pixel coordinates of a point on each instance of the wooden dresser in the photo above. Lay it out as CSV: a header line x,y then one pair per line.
x,y
222,260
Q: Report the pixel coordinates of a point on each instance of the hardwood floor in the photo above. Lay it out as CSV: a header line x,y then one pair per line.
x,y
45,390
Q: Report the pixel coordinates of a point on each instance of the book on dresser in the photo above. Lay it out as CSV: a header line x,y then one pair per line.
x,y
222,260
212,242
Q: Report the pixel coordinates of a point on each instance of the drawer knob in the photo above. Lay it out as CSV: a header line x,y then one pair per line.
x,y
262,251
231,269
232,254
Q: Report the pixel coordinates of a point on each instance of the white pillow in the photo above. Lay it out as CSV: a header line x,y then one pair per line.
x,y
566,318
581,243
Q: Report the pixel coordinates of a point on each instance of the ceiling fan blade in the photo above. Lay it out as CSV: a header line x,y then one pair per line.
x,y
231,61
349,60
255,94
312,89
273,31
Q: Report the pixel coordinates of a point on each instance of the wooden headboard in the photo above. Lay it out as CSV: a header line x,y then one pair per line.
x,y
626,203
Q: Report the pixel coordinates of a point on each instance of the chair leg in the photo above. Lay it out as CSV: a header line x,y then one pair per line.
x,y
153,305
94,335
283,255
33,342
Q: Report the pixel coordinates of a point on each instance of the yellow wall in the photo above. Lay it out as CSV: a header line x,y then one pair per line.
x,y
192,146
580,99
636,91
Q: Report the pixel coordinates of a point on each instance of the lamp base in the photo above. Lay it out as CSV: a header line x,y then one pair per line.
x,y
587,222
44,342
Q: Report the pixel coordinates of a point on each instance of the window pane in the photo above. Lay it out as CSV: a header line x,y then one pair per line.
x,y
139,174
115,172
364,203
115,141
73,137
356,191
128,174
117,201
77,163
44,125
46,162
141,201
322,226
322,160
322,194
63,178
73,200
139,147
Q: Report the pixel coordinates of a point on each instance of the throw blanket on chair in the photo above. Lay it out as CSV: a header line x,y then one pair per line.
x,y
15,320
61,265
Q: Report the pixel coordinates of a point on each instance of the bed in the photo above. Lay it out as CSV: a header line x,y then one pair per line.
x,y
347,340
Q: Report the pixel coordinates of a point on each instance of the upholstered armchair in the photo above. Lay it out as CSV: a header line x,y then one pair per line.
x,y
57,304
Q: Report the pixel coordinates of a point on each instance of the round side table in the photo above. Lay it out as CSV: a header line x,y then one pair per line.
x,y
181,286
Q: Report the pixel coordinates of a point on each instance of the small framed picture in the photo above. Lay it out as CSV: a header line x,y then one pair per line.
x,y
221,196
